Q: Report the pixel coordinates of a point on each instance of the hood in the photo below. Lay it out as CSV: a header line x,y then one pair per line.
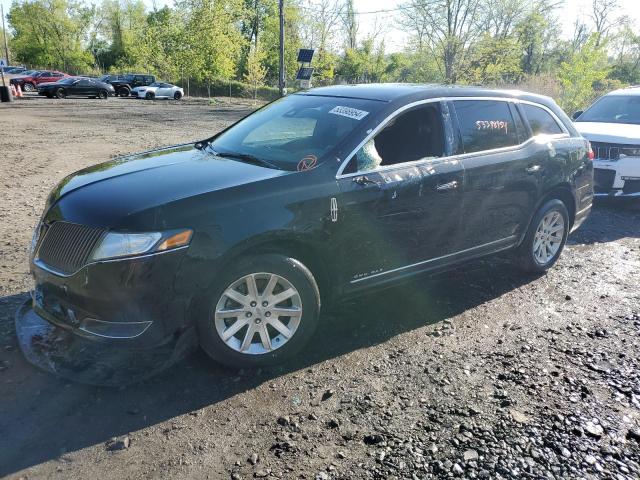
x,y
105,194
47,84
625,133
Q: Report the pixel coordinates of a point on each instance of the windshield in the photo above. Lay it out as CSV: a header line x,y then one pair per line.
x,y
156,84
67,81
614,109
104,78
296,128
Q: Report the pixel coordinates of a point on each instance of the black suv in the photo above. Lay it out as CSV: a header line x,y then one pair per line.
x,y
238,240
123,84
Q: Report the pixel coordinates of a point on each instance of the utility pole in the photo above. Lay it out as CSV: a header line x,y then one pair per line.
x,y
281,78
4,31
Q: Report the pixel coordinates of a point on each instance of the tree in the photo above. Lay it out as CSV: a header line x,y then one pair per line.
x,y
494,60
602,14
581,73
350,26
51,33
451,26
256,72
536,34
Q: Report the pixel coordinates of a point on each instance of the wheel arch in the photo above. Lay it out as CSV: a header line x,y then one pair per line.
x,y
562,192
299,249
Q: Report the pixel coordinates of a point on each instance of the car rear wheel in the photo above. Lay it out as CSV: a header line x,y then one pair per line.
x,y
102,94
123,92
545,238
60,93
262,311
177,96
28,87
149,96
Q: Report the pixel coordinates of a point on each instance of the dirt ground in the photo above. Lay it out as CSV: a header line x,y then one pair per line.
x,y
476,373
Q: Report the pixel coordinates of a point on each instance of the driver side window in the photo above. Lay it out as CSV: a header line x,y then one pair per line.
x,y
413,135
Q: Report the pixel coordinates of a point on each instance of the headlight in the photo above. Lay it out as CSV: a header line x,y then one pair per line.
x,y
116,245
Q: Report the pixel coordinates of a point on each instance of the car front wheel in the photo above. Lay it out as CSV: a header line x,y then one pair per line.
x,y
262,311
28,87
149,96
60,93
177,96
545,238
103,94
123,92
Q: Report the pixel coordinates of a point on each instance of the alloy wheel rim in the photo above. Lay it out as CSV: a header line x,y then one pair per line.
x,y
548,237
258,313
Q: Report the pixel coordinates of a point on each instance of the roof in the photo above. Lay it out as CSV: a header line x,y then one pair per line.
x,y
389,92
633,90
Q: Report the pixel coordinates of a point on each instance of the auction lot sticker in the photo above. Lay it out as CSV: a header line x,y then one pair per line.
x,y
349,112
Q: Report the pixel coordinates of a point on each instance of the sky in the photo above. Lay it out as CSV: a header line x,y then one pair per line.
x,y
395,39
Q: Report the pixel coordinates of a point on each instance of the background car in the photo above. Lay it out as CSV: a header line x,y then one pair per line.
x,y
612,125
110,78
159,90
126,83
29,83
76,87
14,70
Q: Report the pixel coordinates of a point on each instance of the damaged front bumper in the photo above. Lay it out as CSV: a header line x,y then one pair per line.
x,y
73,357
110,323
129,302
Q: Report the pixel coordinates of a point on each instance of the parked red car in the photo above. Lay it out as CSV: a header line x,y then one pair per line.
x,y
30,82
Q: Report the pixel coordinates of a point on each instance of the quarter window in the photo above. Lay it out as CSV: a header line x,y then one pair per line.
x,y
485,125
541,121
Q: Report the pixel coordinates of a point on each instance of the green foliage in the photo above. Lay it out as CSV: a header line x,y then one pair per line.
x,y
581,74
206,44
51,33
494,60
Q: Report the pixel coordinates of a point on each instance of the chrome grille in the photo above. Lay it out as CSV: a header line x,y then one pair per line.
x,y
66,247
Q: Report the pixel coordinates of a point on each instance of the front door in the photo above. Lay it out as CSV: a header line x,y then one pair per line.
x,y
399,206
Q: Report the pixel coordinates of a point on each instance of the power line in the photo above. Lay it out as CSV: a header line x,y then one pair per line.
x,y
370,12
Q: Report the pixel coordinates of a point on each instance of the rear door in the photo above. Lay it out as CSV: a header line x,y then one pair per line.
x,y
503,173
400,200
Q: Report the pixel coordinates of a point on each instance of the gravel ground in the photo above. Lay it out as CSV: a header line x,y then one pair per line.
x,y
476,373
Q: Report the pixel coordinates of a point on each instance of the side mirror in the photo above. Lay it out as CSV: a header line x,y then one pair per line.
x,y
577,114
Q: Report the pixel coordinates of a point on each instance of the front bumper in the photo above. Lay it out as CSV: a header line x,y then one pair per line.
x,y
58,351
617,178
127,302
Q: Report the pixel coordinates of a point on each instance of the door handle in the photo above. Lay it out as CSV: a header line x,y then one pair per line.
x,y
443,187
364,180
534,169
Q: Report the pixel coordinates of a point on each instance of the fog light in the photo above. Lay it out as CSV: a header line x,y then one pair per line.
x,y
114,329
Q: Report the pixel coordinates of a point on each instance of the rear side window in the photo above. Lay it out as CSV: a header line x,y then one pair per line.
x,y
485,125
541,121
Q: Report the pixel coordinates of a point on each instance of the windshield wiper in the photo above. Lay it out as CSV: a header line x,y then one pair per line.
x,y
245,157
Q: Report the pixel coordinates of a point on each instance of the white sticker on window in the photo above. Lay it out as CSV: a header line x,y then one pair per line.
x,y
349,112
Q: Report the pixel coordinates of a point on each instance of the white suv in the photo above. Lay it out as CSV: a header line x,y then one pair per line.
x,y
612,125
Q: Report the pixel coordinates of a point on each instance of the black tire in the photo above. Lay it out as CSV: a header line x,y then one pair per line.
x,y
290,269
103,95
123,92
525,254
28,87
177,96
149,96
60,93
